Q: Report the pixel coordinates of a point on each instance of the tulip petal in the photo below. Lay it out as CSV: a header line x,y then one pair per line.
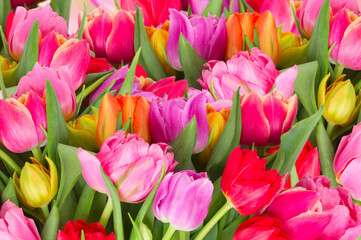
x,y
47,48
349,178
286,80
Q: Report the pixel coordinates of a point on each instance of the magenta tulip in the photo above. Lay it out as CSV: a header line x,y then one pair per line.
x,y
20,121
23,20
14,225
169,117
132,164
168,87
206,35
253,72
61,80
16,3
183,199
347,162
103,31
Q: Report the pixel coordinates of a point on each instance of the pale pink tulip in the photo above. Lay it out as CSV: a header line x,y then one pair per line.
x,y
132,164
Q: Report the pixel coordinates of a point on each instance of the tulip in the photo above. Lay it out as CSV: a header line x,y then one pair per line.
x,y
158,39
22,22
14,225
309,206
16,3
183,199
8,71
344,28
246,183
169,117
112,26
132,164
346,162
60,79
48,46
341,103
82,133
267,228
97,65
37,185
239,24
208,44
135,108
21,120
168,86
198,6
216,121
73,231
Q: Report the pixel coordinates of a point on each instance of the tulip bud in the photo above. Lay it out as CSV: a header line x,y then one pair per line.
x,y
158,39
341,103
8,71
37,185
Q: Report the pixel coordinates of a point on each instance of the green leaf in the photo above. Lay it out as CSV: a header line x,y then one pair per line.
x,y
191,62
31,52
2,85
228,232
326,153
57,130
117,211
70,171
136,230
228,140
82,235
127,85
184,144
297,22
148,59
84,204
5,9
318,45
94,85
62,7
214,7
50,229
81,29
305,86
218,200
68,209
4,42
9,193
293,141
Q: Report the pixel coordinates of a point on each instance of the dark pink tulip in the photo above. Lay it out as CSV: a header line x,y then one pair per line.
x,y
61,79
169,117
132,164
22,22
20,121
16,3
183,199
168,87
104,30
14,225
206,35
347,162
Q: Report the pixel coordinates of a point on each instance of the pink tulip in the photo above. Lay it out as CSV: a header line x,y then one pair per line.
x,y
61,80
253,72
347,162
168,87
20,121
266,118
132,164
103,30
169,117
183,199
206,35
22,22
14,225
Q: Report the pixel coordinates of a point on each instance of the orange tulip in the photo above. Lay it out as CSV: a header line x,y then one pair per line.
x,y
134,107
238,25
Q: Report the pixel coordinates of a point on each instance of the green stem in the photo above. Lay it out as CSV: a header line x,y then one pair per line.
x,y
107,212
219,214
338,71
45,211
294,176
330,128
168,235
10,162
37,153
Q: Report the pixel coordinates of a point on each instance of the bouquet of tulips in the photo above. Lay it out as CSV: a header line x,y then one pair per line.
x,y
180,119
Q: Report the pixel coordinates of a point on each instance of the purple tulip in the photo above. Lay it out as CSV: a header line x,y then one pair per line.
x,y
183,199
169,117
206,35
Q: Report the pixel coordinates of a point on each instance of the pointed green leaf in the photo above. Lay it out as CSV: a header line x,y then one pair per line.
x,y
318,45
81,29
184,144
50,229
214,7
191,62
293,141
5,9
127,85
85,204
94,85
70,171
228,140
148,58
9,193
31,51
4,43
2,85
62,7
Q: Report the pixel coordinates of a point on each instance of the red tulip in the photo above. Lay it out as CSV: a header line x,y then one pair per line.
x,y
94,231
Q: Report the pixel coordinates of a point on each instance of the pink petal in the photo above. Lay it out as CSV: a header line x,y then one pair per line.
x,y
286,80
